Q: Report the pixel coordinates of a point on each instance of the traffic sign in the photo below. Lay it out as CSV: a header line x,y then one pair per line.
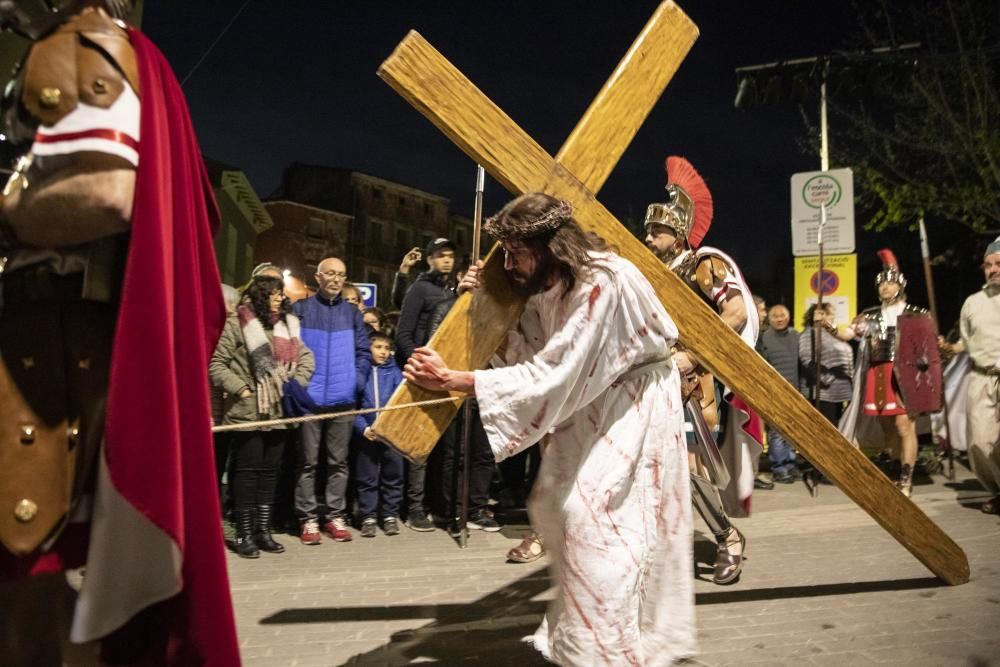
x,y
810,191
369,294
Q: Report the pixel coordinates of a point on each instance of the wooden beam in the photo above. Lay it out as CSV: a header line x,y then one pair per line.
x,y
620,108
492,139
591,152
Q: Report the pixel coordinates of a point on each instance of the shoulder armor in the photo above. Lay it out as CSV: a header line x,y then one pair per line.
x,y
915,310
873,312
709,269
88,59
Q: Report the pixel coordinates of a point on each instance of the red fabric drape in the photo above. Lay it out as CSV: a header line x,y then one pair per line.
x,y
158,439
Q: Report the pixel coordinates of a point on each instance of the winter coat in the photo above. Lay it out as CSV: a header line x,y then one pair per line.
x,y
426,293
387,377
230,371
336,333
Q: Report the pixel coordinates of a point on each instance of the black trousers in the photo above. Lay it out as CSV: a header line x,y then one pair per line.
x,y
256,458
480,468
832,410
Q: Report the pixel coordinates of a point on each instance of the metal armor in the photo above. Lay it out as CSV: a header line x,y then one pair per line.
x,y
57,325
882,337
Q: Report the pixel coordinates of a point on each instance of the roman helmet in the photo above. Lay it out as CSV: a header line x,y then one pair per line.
x,y
890,269
689,209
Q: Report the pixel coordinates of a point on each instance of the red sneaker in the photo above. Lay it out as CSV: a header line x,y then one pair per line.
x,y
337,529
310,532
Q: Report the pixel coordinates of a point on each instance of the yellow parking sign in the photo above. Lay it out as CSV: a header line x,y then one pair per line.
x,y
839,283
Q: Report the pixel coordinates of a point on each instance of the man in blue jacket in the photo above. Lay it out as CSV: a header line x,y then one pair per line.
x,y
335,331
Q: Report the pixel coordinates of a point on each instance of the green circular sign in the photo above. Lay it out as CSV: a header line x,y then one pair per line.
x,y
822,189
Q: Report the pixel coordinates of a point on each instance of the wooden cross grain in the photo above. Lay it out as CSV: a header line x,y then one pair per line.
x,y
453,104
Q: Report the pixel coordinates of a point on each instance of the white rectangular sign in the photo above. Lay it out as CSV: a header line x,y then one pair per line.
x,y
810,190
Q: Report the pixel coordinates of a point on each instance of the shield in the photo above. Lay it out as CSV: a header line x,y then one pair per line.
x,y
917,365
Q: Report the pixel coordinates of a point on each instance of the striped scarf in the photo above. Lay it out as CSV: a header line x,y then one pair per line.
x,y
272,362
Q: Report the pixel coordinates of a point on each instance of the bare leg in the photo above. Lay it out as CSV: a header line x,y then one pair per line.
x,y
906,427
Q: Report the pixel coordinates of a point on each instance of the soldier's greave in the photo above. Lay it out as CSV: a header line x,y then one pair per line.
x,y
708,503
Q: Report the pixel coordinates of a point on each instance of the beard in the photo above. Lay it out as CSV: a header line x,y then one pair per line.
x,y
666,256
530,284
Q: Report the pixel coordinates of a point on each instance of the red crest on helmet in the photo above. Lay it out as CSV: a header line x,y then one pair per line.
x,y
681,174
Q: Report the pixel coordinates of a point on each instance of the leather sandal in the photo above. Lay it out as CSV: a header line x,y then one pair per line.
x,y
529,550
728,566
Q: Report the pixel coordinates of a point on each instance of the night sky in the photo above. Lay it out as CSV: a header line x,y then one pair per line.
x,y
295,81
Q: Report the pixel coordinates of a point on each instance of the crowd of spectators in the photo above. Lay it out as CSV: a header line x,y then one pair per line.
x,y
329,353
790,352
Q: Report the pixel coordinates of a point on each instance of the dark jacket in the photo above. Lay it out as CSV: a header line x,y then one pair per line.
x,y
781,350
439,313
335,332
388,378
427,292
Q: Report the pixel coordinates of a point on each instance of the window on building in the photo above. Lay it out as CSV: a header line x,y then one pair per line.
x,y
403,237
316,228
428,209
402,201
460,237
375,236
377,193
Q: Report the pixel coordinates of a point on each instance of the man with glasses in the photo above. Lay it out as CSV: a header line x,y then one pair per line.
x,y
335,331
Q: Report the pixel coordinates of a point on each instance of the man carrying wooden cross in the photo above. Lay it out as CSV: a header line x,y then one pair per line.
x,y
589,365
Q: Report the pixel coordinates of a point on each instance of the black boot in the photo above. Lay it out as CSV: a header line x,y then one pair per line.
x,y
244,545
263,537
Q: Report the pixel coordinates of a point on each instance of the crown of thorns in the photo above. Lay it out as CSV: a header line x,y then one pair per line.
x,y
502,226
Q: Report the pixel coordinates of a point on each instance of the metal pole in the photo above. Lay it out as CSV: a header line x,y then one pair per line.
x,y
932,302
824,159
467,415
811,478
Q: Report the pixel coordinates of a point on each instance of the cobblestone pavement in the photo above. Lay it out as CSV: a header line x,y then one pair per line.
x,y
823,585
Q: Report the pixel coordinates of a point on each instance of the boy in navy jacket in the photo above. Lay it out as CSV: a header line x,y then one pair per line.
x,y
378,467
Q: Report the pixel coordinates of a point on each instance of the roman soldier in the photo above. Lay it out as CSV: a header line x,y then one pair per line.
x,y
109,309
877,414
674,232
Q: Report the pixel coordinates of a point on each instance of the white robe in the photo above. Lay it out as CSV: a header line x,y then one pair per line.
x,y
612,500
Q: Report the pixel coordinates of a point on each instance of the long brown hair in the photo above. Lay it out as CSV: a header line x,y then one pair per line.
x,y
546,225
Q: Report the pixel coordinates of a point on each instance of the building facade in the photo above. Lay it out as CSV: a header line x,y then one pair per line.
x,y
367,221
242,219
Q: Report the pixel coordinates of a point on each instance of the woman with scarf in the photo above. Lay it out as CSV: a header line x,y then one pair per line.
x,y
260,350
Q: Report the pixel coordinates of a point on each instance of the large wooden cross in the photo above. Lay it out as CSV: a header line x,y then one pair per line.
x,y
477,323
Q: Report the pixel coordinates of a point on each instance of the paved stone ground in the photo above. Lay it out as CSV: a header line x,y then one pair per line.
x,y
823,585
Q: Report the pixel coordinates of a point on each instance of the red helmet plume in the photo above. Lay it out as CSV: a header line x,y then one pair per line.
x,y
680,174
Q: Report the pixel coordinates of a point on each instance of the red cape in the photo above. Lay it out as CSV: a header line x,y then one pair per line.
x,y
159,448
159,444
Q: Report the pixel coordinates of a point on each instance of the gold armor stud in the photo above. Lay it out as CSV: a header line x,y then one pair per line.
x,y
27,434
100,86
84,364
25,510
28,362
49,97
